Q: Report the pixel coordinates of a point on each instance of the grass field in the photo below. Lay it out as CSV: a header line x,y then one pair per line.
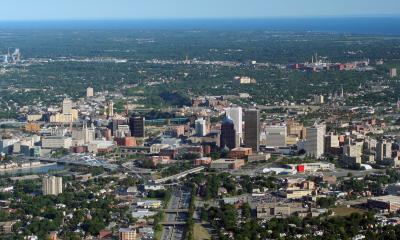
x,y
344,211
200,233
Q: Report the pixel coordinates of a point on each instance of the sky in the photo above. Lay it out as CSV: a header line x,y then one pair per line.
x,y
22,10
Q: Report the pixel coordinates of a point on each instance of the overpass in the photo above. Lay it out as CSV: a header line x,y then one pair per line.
x,y
179,210
179,175
172,223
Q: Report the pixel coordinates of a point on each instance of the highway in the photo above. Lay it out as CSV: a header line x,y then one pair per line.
x,y
179,175
180,200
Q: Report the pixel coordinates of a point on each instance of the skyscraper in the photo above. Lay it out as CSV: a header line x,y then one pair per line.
x,y
89,92
51,185
235,113
136,125
228,136
110,108
315,140
252,129
201,127
67,106
393,72
383,150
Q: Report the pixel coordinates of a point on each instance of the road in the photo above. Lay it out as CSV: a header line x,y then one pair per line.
x,y
180,199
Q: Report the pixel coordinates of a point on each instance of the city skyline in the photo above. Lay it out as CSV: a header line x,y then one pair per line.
x,y
178,9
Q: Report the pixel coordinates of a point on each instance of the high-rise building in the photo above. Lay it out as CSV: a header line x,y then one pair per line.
x,y
228,137
67,106
252,129
201,127
236,114
51,185
127,234
315,140
89,92
275,136
110,109
136,125
87,134
319,99
383,150
68,115
393,72
332,141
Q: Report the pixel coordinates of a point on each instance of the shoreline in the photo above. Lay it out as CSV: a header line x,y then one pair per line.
x,y
30,167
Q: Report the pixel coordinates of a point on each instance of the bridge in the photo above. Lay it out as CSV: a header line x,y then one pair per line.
x,y
172,223
179,175
179,210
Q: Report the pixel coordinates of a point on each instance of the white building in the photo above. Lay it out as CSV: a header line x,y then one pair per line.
x,y
52,185
315,141
56,142
201,127
319,99
89,92
236,114
275,136
156,148
86,134
66,106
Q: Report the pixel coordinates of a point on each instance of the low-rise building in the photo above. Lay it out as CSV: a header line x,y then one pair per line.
x,y
225,164
149,204
202,161
127,234
6,227
240,152
296,194
390,203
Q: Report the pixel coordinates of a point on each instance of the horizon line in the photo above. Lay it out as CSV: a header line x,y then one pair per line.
x,y
204,18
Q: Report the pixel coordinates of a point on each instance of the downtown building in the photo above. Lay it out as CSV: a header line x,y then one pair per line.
x,y
315,141
236,114
52,185
252,129
136,126
228,137
201,127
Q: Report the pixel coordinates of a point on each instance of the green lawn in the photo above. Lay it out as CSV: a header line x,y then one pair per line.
x,y
345,211
200,233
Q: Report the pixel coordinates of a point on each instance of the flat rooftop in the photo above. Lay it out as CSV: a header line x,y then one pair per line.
x,y
387,198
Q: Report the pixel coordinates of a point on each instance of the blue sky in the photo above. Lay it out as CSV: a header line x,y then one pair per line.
x,y
162,9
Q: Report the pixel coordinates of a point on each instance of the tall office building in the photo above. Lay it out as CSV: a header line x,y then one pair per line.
x,y
89,92
315,140
252,129
393,72
228,137
51,185
319,99
383,150
275,136
136,125
67,106
113,125
87,134
235,113
110,108
201,127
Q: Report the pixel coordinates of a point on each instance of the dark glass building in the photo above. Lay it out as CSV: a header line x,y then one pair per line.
x,y
228,134
252,129
136,125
